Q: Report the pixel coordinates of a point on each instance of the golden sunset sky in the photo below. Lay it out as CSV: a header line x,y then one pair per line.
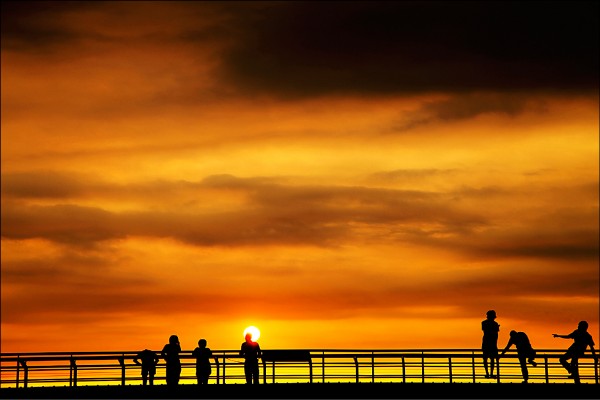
x,y
342,175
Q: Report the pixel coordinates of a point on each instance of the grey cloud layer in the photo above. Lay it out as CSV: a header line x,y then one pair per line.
x,y
270,212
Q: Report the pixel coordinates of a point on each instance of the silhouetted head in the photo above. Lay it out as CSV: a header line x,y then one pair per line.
x,y
202,342
248,337
582,326
174,339
491,314
513,333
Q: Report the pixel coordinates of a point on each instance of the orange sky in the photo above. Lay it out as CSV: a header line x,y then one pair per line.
x,y
345,175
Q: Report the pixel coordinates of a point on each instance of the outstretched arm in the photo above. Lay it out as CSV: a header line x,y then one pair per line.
x,y
506,348
556,335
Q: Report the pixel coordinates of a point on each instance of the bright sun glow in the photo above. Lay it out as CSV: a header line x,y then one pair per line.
x,y
253,331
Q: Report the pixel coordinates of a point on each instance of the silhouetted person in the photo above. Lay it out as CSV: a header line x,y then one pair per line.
x,y
171,355
524,351
581,340
251,352
203,367
489,343
148,360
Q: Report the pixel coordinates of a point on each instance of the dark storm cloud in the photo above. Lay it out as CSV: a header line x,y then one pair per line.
x,y
40,25
298,49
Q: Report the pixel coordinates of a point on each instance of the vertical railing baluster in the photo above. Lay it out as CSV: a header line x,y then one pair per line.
x,y
122,363
73,366
403,370
25,373
323,367
18,370
450,367
473,364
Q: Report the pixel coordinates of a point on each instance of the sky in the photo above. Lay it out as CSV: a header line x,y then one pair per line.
x,y
341,175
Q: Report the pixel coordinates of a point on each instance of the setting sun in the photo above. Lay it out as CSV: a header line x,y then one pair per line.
x,y
252,330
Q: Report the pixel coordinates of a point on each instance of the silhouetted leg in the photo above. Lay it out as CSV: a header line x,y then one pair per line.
x,y
248,373
532,361
563,360
485,366
575,369
523,362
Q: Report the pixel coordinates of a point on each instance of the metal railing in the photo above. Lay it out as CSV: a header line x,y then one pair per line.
x,y
337,366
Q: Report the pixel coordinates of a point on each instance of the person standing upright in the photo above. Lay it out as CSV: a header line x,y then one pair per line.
x,y
202,354
489,343
251,352
171,355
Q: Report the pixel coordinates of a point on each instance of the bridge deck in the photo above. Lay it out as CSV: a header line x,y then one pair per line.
x,y
315,391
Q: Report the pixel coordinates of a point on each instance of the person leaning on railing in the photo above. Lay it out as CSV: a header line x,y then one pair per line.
x,y
147,359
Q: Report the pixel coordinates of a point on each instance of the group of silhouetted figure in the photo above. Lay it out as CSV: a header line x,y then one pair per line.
x,y
251,352
148,359
525,352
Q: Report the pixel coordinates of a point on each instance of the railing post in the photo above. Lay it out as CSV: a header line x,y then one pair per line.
x,y
323,365
473,364
272,372
25,372
310,369
122,363
546,369
18,371
372,368
73,368
224,364
403,371
450,367
218,369
356,366
423,366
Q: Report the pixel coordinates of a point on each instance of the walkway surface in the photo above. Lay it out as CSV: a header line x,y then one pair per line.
x,y
317,391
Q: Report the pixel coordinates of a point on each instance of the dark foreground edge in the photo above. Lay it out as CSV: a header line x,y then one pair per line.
x,y
316,391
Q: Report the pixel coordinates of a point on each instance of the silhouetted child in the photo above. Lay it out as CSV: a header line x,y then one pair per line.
x,y
525,352
489,343
147,359
581,340
171,355
251,352
203,367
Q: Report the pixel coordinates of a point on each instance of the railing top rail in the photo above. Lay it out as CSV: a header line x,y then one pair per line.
x,y
313,353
